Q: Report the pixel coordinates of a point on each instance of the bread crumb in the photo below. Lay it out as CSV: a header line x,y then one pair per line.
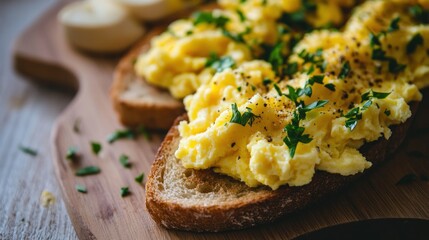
x,y
47,199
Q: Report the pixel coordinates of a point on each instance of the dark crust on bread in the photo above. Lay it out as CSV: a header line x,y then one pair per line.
x,y
133,113
266,205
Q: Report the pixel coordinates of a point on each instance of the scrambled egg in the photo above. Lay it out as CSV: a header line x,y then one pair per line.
x,y
177,58
282,112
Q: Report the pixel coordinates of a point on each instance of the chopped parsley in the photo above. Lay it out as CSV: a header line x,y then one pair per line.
x,y
407,179
394,25
237,37
416,40
295,133
125,161
294,94
96,147
220,64
209,18
81,188
72,153
90,170
276,58
330,86
241,15
379,54
315,59
387,112
291,69
128,133
246,118
355,114
419,14
139,178
298,19
345,70
267,81
125,191
28,150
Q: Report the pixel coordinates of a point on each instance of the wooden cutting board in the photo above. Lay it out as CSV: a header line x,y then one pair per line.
x,y
42,53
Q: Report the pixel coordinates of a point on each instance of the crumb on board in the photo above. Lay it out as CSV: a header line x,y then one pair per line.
x,y
47,199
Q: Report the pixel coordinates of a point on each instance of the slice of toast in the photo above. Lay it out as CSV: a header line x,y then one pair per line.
x,y
202,200
138,102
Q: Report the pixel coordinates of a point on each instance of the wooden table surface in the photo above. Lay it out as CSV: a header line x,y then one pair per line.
x,y
27,112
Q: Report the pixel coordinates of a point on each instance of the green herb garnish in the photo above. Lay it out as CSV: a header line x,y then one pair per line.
x,y
124,160
407,179
416,40
315,59
345,70
81,188
330,86
125,191
241,15
220,64
276,58
295,133
209,18
355,114
28,150
90,170
419,14
128,133
139,178
291,69
267,81
246,118
96,147
71,153
387,112
394,25
239,37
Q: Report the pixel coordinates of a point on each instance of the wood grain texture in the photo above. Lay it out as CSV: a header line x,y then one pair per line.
x,y
102,213
27,112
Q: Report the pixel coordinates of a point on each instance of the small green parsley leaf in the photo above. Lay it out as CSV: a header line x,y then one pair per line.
x,y
415,41
96,147
29,151
266,81
220,64
395,67
209,18
139,178
125,191
345,70
394,25
407,179
373,94
330,86
81,188
124,160
419,14
239,37
291,69
71,153
90,170
241,15
374,40
128,133
246,118
276,57
387,112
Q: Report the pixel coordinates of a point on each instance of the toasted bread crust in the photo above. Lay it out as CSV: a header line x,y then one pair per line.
x,y
152,107
261,205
